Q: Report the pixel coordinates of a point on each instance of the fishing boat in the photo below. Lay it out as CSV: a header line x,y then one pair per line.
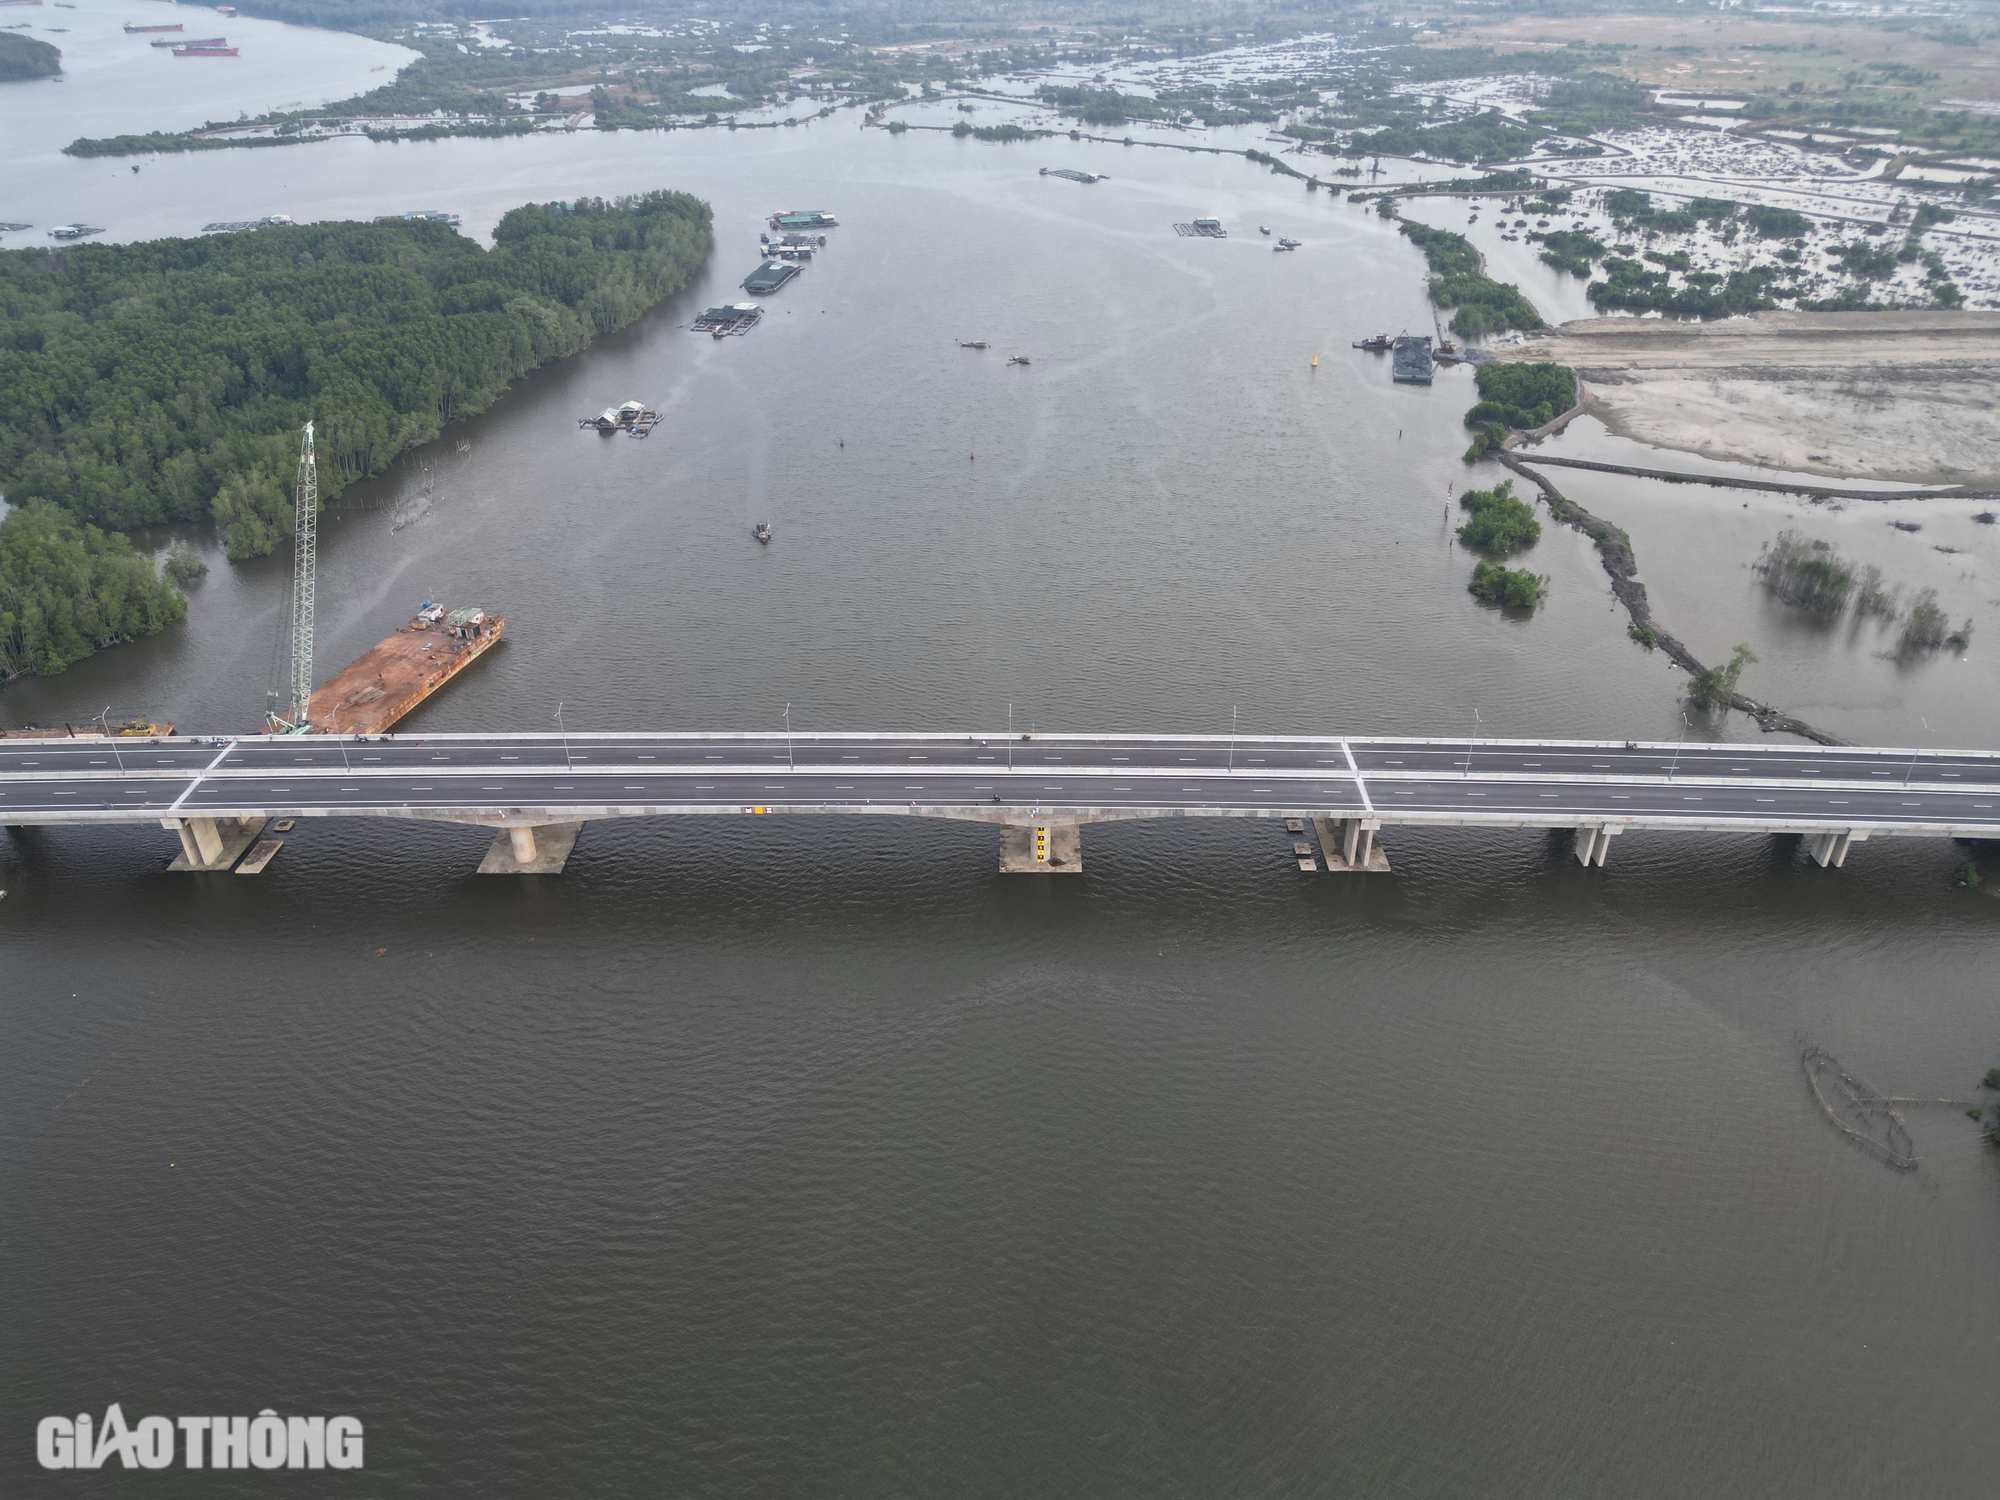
x,y
762,531
972,343
1017,359
1263,228
1377,344
1290,244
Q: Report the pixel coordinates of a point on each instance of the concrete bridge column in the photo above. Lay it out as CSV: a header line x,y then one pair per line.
x,y
1350,844
1042,846
1593,843
201,842
213,843
1831,848
530,849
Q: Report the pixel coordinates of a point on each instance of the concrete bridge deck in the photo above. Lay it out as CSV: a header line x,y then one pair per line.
x,y
1835,795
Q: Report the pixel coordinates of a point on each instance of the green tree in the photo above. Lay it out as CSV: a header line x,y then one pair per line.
x,y
1501,522
1717,685
67,590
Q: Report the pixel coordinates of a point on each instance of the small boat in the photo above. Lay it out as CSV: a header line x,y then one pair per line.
x,y
1290,244
1017,359
1263,229
1378,343
972,343
762,531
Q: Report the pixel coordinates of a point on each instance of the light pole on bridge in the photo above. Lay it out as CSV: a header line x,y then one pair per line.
x,y
1915,753
790,764
105,720
1677,747
1470,743
567,762
1232,739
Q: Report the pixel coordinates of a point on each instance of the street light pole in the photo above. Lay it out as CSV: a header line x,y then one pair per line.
x,y
105,719
1675,762
1470,743
790,764
1010,735
1232,739
560,729
1914,754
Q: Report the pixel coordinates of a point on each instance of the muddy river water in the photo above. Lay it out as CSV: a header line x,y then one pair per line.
x,y
775,1157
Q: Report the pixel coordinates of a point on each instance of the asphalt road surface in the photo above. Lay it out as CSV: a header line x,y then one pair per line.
x,y
1555,783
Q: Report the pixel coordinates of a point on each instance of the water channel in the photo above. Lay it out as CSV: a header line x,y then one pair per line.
x,y
778,1157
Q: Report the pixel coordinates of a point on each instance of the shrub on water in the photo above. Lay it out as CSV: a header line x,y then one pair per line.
x,y
1512,588
1500,522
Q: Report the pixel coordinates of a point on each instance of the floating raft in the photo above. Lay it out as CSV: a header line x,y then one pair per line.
x,y
769,277
392,678
735,320
1207,229
1070,175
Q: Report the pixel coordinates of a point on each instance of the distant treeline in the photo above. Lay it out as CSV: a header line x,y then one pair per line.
x,y
24,57
167,381
160,142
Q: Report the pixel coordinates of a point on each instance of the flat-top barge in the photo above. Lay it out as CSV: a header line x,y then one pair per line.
x,y
388,681
1412,360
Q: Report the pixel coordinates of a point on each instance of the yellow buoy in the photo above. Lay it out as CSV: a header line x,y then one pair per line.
x,y
1315,361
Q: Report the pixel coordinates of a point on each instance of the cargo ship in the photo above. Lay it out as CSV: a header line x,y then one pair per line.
x,y
205,51
207,41
131,30
388,681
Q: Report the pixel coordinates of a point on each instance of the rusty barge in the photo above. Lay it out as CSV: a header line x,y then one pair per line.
x,y
386,682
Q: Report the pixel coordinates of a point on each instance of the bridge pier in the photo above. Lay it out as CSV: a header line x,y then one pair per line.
x,y
530,849
1831,848
212,843
1045,846
1593,843
1350,845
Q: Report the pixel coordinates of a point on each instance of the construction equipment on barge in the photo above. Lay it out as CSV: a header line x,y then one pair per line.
x,y
399,672
372,692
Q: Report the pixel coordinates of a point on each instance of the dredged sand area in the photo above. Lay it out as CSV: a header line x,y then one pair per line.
x,y
1909,396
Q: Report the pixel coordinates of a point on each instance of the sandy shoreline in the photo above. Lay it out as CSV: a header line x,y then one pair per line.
x,y
1907,396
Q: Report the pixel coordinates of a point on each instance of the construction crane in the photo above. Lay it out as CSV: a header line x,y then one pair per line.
x,y
305,562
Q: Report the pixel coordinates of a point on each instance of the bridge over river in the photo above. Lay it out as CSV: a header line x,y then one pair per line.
x,y
536,790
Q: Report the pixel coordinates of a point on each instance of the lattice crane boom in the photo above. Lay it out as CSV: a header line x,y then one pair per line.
x,y
305,568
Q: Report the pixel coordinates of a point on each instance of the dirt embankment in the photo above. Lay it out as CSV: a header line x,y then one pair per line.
x,y
1909,396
